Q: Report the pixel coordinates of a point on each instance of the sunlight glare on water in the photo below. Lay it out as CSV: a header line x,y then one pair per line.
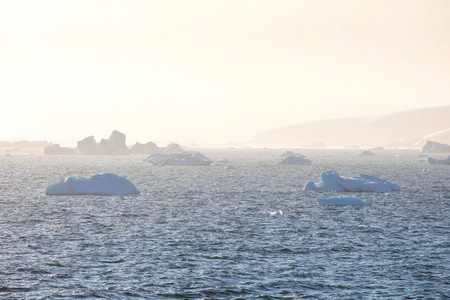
x,y
216,233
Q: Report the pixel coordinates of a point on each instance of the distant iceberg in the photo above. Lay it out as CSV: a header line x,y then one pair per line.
x,y
148,148
179,159
100,184
435,147
152,148
331,181
115,145
290,153
367,153
344,201
58,150
439,161
295,160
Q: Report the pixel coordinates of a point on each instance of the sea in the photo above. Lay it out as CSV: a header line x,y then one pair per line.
x,y
215,233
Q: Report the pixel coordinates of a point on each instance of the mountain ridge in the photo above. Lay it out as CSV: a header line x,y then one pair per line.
x,y
359,131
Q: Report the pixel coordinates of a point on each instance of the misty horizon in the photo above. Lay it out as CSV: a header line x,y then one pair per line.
x,y
214,71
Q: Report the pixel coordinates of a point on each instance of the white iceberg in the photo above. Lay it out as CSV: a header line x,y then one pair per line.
x,y
148,148
100,184
435,147
439,161
172,149
152,148
180,159
58,150
295,160
344,201
89,146
331,181
115,145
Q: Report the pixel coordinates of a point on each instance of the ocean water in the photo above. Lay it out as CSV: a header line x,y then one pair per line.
x,y
213,233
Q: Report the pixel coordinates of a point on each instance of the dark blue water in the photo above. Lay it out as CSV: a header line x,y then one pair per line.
x,y
212,233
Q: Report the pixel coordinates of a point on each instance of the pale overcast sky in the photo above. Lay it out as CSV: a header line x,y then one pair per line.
x,y
214,71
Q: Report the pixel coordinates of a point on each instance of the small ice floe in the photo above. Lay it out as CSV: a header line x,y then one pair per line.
x,y
295,160
179,159
273,213
367,153
344,201
230,168
439,161
331,181
100,184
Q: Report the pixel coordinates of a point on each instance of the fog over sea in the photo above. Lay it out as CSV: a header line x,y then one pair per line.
x,y
213,233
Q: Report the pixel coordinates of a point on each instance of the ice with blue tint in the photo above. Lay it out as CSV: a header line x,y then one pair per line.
x,y
100,184
345,201
332,181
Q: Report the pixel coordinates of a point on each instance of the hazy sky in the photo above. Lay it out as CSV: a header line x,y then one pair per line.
x,y
213,70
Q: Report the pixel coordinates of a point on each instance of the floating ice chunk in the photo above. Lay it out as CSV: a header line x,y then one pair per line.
x,y
181,159
100,184
435,147
295,160
439,161
344,201
331,181
230,168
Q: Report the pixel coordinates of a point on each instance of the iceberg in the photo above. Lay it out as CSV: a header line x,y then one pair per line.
x,y
290,153
180,159
173,149
439,161
344,201
88,146
148,148
115,145
58,150
295,160
435,147
152,148
100,184
331,181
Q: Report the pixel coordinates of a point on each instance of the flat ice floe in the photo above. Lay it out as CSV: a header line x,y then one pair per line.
x,y
295,160
344,201
100,184
180,159
331,181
